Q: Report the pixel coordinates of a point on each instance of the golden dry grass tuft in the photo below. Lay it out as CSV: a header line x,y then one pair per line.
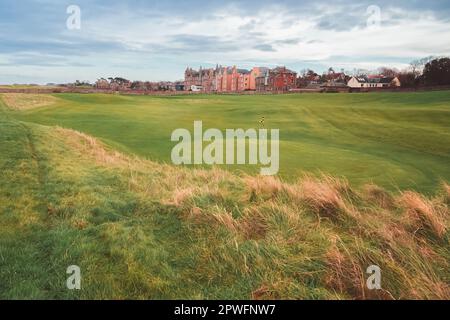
x,y
344,275
379,196
25,101
266,187
326,196
423,214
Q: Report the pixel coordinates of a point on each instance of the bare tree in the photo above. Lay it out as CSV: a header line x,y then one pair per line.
x,y
388,72
418,65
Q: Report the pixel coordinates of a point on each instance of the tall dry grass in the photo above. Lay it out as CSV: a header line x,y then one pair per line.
x,y
23,101
314,236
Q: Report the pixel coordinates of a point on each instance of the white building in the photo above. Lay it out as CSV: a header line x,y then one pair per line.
x,y
195,88
374,82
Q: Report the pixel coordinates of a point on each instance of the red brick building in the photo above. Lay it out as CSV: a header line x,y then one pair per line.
x,y
232,79
262,80
281,79
204,78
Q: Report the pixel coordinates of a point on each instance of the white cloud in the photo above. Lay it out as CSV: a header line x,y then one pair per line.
x,y
148,41
409,34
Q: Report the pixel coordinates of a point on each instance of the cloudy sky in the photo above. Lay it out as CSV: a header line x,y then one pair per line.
x,y
156,40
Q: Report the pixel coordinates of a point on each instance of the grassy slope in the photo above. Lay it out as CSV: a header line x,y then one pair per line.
x,y
139,229
394,140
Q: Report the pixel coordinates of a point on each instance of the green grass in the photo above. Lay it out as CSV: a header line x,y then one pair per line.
x,y
396,140
145,230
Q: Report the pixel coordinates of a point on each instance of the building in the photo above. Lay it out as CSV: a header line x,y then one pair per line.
x,y
373,82
308,79
262,80
333,76
255,73
166,86
204,78
281,79
335,80
232,79
223,79
102,84
119,84
179,86
195,88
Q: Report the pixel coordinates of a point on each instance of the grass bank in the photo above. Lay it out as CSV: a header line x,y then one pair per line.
x,y
144,230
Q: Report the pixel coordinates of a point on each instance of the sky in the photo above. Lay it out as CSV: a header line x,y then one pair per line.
x,y
41,41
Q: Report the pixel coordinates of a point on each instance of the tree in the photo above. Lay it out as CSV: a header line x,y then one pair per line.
x,y
417,66
79,83
408,79
388,72
361,72
306,77
138,85
437,72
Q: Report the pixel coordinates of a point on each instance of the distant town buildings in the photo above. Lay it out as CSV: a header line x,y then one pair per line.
x,y
258,79
280,79
123,85
233,79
